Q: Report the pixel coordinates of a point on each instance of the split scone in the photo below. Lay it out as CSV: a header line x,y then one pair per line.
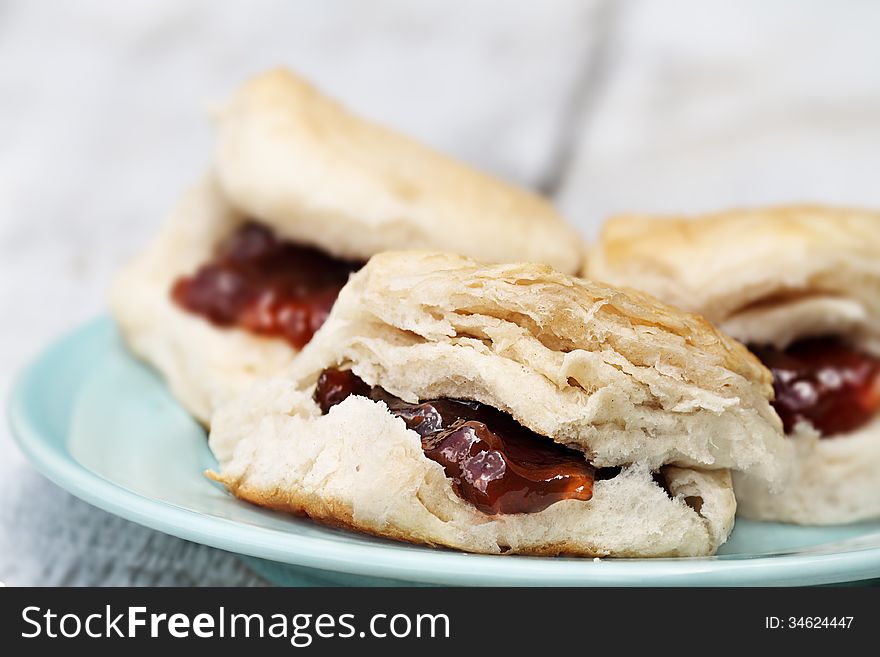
x,y
302,193
506,408
801,287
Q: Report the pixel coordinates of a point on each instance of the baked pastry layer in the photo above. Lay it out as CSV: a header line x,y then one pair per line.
x,y
620,377
730,263
772,277
310,169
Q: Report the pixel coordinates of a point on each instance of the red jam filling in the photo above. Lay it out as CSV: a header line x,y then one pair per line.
x,y
265,285
832,385
495,463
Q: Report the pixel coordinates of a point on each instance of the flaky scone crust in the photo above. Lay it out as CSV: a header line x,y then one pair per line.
x,y
720,264
305,165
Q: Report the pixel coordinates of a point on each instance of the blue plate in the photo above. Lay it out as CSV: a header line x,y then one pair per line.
x,y
102,425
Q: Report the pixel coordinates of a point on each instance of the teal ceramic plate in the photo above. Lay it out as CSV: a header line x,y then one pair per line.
x,y
102,425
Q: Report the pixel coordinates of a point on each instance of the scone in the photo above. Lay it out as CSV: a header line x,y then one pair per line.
x,y
801,287
506,408
301,194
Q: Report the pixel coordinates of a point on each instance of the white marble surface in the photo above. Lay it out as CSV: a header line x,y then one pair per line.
x,y
609,106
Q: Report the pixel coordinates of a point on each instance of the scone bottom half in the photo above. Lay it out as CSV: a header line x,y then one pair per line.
x,y
506,408
459,474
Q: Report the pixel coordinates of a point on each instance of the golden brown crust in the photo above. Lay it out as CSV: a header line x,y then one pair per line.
x,y
560,312
721,263
327,512
338,515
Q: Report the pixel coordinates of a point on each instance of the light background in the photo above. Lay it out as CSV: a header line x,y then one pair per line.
x,y
661,106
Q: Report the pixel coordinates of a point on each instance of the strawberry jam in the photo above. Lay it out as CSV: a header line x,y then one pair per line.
x,y
495,463
265,285
832,385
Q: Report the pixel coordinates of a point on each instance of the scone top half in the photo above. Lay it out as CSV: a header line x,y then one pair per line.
x,y
745,270
800,286
301,193
303,164
657,402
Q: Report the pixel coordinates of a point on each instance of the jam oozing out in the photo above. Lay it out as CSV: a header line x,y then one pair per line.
x,y
494,462
265,285
830,384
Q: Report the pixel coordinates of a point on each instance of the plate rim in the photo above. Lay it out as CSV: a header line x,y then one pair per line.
x,y
381,561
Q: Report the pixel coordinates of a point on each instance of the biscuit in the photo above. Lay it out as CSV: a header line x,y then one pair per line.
x,y
623,379
772,277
